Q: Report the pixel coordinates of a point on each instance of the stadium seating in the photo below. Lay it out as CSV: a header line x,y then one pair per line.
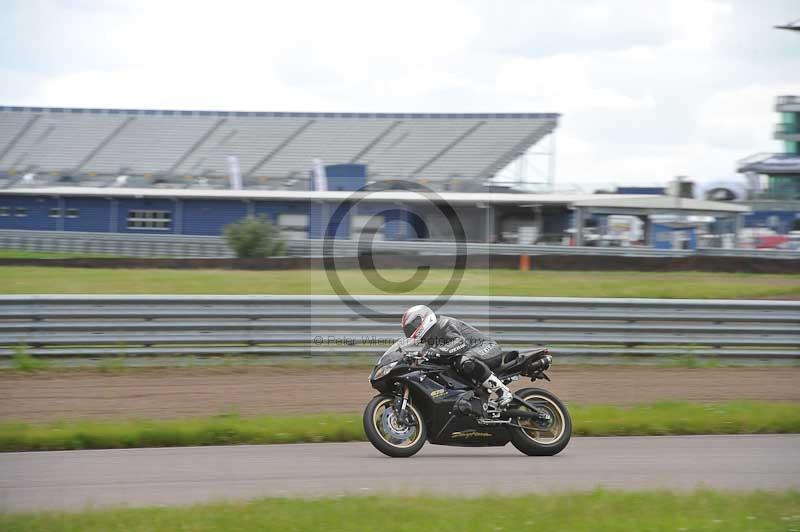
x,y
274,150
55,141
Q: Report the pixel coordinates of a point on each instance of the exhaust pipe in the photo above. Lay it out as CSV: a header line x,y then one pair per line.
x,y
539,365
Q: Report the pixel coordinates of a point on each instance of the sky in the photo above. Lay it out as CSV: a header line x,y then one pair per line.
x,y
647,90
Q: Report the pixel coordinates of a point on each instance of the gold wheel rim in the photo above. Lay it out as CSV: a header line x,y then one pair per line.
x,y
377,416
547,436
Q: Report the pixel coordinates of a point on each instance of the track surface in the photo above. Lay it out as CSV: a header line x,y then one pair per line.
x,y
78,479
250,391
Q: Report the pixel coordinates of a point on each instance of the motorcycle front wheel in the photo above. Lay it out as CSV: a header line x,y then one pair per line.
x,y
542,437
389,432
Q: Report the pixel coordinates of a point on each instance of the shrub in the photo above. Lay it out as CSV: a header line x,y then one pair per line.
x,y
254,237
23,361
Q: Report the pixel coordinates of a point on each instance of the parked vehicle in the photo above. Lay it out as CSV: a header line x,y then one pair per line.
x,y
419,401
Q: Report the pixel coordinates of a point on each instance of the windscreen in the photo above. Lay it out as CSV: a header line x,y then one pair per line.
x,y
393,353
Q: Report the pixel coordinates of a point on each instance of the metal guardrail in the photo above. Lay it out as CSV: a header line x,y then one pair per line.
x,y
89,326
185,246
314,247
118,244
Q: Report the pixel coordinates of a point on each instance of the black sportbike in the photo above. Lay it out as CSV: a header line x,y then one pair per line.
x,y
420,401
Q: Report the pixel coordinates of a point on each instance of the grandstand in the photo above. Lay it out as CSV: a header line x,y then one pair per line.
x,y
190,149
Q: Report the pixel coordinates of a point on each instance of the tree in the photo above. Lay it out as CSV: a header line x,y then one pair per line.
x,y
255,237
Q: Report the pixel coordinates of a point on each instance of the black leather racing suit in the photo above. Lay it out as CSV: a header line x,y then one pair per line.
x,y
459,344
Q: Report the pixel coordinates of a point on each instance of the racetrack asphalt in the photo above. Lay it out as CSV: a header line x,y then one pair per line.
x,y
75,480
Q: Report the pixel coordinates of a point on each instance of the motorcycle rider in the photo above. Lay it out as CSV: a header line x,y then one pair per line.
x,y
451,341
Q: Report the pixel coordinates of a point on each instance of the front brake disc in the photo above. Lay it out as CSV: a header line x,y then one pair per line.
x,y
392,425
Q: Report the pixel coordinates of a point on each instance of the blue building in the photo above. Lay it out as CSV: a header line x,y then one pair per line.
x,y
674,235
384,215
343,207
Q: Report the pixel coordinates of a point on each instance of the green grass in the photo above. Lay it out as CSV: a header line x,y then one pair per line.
x,y
737,417
22,361
44,280
691,361
600,510
218,430
655,419
111,365
121,363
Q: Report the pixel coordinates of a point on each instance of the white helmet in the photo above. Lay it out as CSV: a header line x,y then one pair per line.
x,y
417,321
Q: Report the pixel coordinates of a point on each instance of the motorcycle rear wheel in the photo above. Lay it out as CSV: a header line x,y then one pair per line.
x,y
536,439
387,433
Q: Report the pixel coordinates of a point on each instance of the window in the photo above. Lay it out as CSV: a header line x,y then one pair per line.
x,y
21,212
55,212
293,226
5,211
73,213
150,220
366,227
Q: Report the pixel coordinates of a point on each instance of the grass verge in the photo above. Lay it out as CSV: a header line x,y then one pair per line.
x,y
645,420
599,510
21,360
703,285
130,364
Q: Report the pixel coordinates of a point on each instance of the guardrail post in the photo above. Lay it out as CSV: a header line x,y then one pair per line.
x,y
579,214
737,229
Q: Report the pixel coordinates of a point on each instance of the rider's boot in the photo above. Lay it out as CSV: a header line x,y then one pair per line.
x,y
495,385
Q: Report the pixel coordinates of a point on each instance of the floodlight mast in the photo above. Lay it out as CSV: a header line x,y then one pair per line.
x,y
792,26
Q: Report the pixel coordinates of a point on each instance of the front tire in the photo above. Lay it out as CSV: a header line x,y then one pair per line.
x,y
387,433
542,439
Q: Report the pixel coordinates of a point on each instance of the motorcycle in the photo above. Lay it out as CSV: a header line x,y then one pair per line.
x,y
421,402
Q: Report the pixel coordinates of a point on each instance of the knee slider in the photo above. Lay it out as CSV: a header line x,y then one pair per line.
x,y
467,366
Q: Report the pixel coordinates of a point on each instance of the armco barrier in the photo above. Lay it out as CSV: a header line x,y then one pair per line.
x,y
88,326
185,246
119,244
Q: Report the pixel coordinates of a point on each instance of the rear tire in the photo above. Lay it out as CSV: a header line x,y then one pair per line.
x,y
541,441
384,433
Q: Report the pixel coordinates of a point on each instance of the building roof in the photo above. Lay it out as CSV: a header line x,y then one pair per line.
x,y
658,205
459,150
771,163
268,114
402,196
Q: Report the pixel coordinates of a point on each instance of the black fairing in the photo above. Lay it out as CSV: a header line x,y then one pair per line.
x,y
435,392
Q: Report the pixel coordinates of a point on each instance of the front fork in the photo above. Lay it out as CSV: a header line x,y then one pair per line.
x,y
400,405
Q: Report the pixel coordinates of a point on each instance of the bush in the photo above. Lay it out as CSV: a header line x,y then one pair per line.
x,y
23,361
255,237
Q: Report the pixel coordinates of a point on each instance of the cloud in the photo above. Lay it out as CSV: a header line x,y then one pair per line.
x,y
651,165
741,118
565,82
647,91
